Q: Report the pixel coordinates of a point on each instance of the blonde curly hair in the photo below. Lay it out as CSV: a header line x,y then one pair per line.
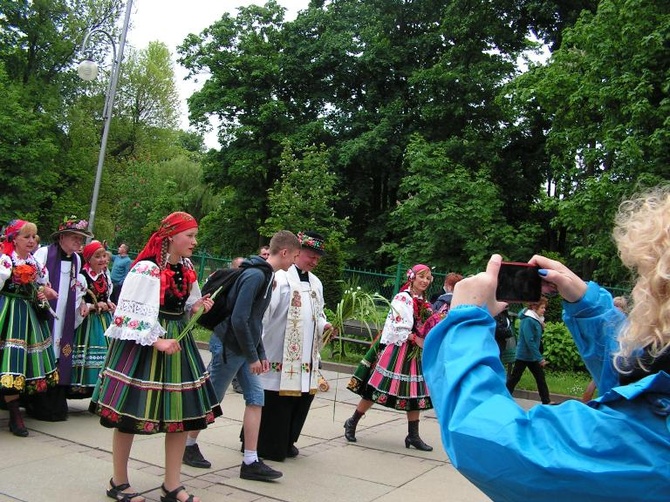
x,y
642,234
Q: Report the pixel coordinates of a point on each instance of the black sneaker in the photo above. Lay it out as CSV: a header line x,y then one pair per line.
x,y
258,471
293,452
194,458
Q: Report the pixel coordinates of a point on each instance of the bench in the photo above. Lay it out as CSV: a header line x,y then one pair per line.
x,y
356,332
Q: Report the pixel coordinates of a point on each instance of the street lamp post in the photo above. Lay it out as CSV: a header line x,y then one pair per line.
x,y
88,70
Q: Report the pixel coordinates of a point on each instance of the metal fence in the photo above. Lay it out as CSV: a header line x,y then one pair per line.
x,y
385,284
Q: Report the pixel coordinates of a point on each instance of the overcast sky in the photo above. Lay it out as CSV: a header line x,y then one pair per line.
x,y
170,21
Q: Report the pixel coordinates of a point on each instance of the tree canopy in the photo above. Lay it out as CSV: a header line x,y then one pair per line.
x,y
413,130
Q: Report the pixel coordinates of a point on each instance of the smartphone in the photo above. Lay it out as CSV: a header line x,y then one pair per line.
x,y
518,283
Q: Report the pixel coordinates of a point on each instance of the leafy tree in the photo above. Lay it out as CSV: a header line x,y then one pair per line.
x,y
305,195
143,133
464,204
148,191
38,41
26,144
244,91
303,199
147,106
605,93
360,78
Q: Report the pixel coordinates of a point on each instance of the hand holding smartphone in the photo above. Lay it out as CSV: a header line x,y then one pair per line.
x,y
518,283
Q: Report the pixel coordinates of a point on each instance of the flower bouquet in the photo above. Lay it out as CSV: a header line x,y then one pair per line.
x,y
24,277
424,320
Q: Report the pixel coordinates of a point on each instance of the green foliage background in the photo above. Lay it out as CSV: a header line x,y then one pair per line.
x,y
403,131
560,350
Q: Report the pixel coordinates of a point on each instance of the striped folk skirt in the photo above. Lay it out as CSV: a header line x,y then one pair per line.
x,y
397,379
88,354
27,362
144,391
358,383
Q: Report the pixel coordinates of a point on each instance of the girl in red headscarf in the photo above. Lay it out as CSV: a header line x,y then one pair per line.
x,y
95,309
390,374
152,381
27,362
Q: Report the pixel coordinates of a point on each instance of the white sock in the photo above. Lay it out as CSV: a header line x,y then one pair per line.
x,y
190,441
250,456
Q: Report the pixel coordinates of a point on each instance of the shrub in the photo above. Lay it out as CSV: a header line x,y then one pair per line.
x,y
560,350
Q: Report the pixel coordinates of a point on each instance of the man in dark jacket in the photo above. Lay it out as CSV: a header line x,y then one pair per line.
x,y
237,348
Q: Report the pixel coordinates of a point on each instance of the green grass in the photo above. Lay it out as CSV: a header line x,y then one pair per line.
x,y
350,357
569,384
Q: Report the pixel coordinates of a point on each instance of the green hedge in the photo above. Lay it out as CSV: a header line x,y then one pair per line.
x,y
560,350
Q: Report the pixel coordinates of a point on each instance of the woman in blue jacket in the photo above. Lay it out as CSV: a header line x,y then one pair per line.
x,y
528,353
616,448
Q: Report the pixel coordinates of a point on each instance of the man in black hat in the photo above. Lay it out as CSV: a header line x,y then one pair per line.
x,y
293,329
63,263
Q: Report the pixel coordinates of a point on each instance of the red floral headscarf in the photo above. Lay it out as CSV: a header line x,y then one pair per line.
x,y
171,225
11,231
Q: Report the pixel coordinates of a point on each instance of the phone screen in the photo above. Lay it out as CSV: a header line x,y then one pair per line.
x,y
518,282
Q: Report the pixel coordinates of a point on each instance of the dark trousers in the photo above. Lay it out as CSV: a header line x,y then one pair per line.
x,y
114,298
281,423
538,374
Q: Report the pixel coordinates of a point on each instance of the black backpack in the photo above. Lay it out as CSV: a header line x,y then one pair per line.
x,y
504,328
224,278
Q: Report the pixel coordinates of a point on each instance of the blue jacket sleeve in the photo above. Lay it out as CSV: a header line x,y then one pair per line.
x,y
594,323
572,450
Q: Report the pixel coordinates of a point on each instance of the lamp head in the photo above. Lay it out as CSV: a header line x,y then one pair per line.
x,y
87,70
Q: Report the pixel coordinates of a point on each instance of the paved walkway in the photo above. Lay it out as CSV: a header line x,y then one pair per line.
x,y
71,460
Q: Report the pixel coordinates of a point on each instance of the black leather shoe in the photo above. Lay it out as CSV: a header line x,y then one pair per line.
x,y
194,458
292,452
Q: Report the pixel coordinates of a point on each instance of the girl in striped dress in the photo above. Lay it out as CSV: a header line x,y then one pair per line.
x,y
27,362
154,381
391,373
95,312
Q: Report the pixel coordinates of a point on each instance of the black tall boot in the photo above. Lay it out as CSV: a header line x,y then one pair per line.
x,y
350,426
413,437
16,425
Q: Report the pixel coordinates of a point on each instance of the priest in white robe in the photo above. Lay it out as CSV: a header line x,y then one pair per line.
x,y
293,329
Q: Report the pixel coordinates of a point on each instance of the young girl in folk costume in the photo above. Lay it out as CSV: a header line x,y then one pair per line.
x,y
153,382
396,380
27,363
95,312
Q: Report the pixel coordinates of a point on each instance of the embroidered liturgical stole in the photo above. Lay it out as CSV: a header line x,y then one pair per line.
x,y
53,265
292,368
